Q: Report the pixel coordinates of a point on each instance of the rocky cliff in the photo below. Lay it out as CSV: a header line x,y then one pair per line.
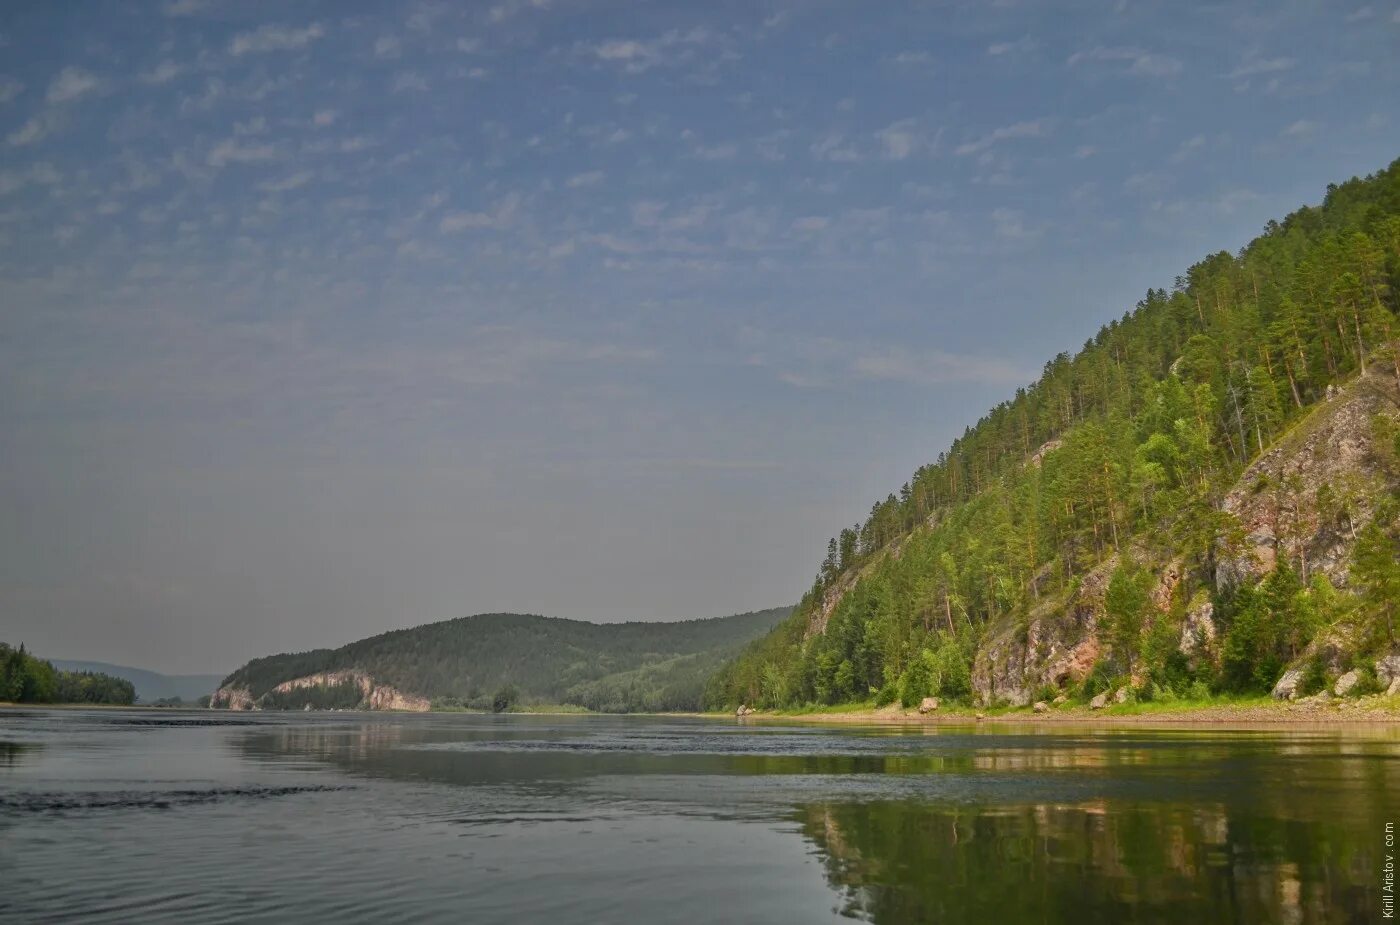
x,y
374,695
1305,498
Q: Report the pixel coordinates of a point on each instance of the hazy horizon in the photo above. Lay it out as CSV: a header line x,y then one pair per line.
x,y
331,319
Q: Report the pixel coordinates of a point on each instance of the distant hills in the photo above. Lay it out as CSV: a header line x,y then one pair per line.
x,y
150,685
470,661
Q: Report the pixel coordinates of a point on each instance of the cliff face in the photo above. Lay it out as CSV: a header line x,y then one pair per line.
x,y
232,698
1306,498
374,696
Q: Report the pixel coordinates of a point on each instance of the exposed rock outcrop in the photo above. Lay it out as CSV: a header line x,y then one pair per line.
x,y
232,698
928,705
1308,496
375,696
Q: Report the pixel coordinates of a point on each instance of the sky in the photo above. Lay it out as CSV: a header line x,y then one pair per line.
x,y
320,320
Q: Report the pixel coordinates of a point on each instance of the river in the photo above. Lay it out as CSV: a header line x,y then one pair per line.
x,y
167,816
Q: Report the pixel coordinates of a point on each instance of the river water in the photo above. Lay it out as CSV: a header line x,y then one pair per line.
x,y
165,816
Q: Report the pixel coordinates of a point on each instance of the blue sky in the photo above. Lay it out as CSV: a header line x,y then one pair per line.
x,y
323,319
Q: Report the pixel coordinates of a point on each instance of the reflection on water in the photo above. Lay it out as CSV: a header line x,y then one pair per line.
x,y
602,818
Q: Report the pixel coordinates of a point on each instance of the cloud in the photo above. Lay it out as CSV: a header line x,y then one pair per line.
x,y
511,8
1141,63
1187,148
72,83
36,129
387,46
931,367
324,118
164,72
636,56
1360,15
581,180
834,148
186,7
295,181
720,152
810,223
1253,66
275,38
502,214
1011,225
1084,151
1020,47
1037,128
901,139
1300,129
409,81
233,151
40,174
912,58
9,89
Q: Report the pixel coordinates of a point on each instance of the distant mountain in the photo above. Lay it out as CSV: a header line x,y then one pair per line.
x,y
150,685
617,667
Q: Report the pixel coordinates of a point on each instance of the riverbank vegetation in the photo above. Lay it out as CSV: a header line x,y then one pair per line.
x,y
27,679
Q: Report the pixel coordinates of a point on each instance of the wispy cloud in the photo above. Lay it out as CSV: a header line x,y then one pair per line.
x,y
9,89
1016,49
1253,66
501,215
1139,62
1037,128
904,138
931,367
238,151
638,55
36,128
162,73
73,83
40,174
581,180
275,38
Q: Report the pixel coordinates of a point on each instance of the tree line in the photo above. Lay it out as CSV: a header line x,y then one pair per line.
x,y
27,679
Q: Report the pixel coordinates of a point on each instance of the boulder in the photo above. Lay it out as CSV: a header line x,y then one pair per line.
x,y
1040,706
1287,686
928,705
1347,683
1122,695
1060,700
742,711
1388,670
1099,702
1394,689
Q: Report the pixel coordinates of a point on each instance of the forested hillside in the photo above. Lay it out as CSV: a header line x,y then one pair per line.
x,y
473,661
1203,494
26,679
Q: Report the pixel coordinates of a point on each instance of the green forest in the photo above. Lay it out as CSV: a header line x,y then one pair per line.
x,y
26,679
469,661
1117,464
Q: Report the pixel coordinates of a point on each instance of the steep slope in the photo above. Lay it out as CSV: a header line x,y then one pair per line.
x,y
467,661
1188,504
150,685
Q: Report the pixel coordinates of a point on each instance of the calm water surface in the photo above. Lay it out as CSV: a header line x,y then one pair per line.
x,y
192,817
